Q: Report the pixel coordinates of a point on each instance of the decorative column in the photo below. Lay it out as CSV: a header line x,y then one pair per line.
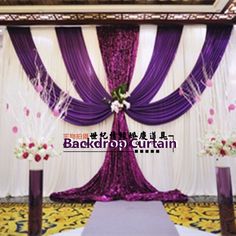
x,y
225,200
35,198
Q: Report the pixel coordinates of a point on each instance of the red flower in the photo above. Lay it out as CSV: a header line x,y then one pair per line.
x,y
46,157
223,142
213,139
234,144
31,145
222,152
37,157
25,155
45,146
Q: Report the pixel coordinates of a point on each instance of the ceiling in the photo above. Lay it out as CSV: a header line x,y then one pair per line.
x,y
116,11
113,5
106,2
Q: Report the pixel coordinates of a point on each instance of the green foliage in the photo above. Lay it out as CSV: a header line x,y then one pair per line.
x,y
119,93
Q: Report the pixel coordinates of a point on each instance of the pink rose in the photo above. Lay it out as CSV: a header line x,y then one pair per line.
x,y
222,152
31,145
45,146
37,157
223,142
25,155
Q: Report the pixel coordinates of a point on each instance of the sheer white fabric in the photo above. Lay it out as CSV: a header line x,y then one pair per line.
x,y
183,169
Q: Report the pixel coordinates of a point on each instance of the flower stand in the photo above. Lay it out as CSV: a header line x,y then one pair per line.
x,y
35,198
225,200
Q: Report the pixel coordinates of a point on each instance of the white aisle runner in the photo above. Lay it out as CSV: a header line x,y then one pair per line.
x,y
123,218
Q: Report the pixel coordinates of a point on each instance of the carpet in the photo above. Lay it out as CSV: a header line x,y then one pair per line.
x,y
56,218
123,218
203,216
60,217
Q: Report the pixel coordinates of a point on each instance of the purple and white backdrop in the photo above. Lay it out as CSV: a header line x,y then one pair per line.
x,y
183,169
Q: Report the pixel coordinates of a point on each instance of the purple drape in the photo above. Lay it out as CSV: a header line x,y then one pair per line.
x,y
175,105
79,66
166,44
96,110
79,113
120,176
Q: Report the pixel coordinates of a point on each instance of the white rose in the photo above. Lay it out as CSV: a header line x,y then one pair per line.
x,y
127,104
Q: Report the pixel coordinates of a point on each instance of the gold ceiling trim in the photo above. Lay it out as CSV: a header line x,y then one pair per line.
x,y
85,18
228,16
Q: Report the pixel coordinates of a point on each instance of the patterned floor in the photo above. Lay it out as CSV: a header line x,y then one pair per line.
x,y
61,217
56,218
203,216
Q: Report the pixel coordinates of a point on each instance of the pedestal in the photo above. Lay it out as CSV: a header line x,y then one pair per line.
x,y
225,201
35,199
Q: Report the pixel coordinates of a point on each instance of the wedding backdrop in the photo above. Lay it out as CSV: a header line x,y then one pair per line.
x,y
155,92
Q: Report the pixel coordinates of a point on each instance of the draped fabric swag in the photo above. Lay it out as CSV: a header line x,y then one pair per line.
x,y
120,176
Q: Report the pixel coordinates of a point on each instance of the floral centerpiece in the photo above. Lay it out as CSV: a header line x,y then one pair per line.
x,y
119,96
29,149
217,146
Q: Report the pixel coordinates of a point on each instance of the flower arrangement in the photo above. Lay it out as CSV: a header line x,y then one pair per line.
x,y
219,147
119,96
40,120
29,149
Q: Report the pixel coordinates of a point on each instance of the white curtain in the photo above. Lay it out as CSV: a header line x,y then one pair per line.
x,y
182,169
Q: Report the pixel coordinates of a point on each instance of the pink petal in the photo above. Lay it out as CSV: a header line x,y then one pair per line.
x,y
209,83
14,129
38,115
56,112
231,107
197,98
39,88
209,121
181,91
27,112
212,112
